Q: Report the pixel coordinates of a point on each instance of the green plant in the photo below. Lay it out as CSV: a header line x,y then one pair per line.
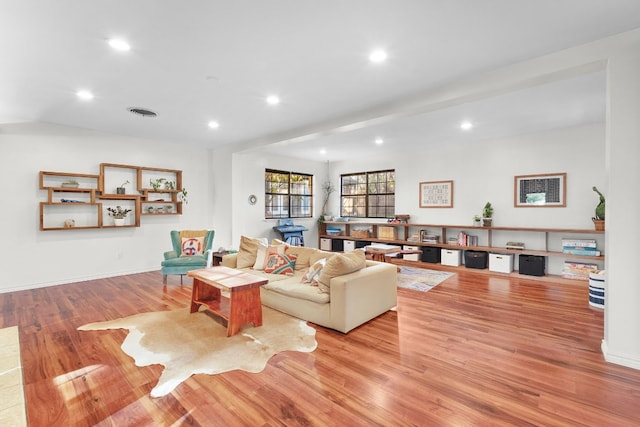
x,y
118,212
170,185
487,211
183,196
477,218
124,183
600,209
157,183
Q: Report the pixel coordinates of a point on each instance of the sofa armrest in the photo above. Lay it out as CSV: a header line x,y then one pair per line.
x,y
230,260
362,295
170,255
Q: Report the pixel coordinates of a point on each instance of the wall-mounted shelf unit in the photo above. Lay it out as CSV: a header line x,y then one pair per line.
x,y
547,240
80,201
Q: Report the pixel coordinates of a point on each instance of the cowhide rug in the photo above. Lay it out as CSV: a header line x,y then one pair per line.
x,y
187,344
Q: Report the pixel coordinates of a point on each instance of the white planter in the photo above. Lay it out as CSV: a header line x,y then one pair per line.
x,y
118,222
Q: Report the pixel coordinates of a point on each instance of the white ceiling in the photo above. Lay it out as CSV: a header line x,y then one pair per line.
x,y
203,60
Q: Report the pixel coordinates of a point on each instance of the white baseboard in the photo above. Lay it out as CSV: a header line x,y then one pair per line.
x,y
619,359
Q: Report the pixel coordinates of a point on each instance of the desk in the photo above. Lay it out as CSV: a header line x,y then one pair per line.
x,y
243,304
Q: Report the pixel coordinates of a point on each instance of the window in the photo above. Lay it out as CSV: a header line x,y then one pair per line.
x,y
287,194
368,194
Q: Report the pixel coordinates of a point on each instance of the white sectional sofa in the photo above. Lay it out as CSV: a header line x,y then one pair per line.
x,y
344,302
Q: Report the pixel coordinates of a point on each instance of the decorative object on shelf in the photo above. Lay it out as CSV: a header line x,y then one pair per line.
x,y
436,194
598,220
487,214
183,196
252,199
121,189
399,219
119,214
327,188
168,208
156,184
546,190
72,183
169,185
477,220
69,223
150,209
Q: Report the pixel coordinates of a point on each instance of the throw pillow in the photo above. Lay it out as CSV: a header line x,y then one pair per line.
x,y
263,254
191,246
303,254
280,264
313,273
340,264
248,251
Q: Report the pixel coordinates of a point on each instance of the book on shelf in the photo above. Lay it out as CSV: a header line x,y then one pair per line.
x,y
591,252
579,243
578,270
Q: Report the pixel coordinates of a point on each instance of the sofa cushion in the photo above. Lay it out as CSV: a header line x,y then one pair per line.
x,y
303,255
248,251
280,264
264,252
340,264
293,288
313,272
319,254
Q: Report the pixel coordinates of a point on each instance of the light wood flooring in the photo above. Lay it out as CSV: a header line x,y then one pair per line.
x,y
476,350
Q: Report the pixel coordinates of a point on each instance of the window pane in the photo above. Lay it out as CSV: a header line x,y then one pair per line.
x,y
369,194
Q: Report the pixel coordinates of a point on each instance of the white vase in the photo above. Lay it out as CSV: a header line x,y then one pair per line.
x,y
118,222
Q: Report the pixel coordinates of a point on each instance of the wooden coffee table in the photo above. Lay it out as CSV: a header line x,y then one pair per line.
x,y
243,304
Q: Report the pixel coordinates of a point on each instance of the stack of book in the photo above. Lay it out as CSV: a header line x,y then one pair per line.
x,y
465,239
586,247
577,270
426,237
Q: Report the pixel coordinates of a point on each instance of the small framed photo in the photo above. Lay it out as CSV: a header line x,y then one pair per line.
x,y
436,194
546,190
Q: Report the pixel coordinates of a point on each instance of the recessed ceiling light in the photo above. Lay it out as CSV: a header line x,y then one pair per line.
x,y
84,94
213,124
378,56
466,125
323,151
379,141
273,100
119,44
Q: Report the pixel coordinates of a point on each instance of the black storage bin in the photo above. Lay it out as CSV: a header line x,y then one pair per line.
x,y
531,265
431,254
475,259
337,245
361,244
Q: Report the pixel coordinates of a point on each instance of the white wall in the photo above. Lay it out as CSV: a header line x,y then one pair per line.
x,y
484,171
33,258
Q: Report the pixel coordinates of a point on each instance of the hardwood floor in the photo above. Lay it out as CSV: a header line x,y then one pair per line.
x,y
475,350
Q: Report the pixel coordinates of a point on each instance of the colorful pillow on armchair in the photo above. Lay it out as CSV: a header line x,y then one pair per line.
x,y
280,264
192,246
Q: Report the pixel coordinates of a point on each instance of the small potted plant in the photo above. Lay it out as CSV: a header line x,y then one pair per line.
x,y
121,189
477,220
118,214
487,214
169,185
598,220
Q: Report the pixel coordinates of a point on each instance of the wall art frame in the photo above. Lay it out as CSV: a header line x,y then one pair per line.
x,y
436,194
540,191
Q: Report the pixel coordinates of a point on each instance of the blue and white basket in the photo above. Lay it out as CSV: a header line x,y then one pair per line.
x,y
597,289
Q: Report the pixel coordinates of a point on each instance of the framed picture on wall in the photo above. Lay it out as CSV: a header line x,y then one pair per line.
x,y
436,194
546,190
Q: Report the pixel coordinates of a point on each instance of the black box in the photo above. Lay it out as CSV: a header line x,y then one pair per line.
x,y
531,265
475,259
431,254
362,244
337,245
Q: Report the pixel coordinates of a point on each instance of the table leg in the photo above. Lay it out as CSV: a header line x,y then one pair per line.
x,y
245,307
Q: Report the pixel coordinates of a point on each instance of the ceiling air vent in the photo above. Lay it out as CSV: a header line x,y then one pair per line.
x,y
144,112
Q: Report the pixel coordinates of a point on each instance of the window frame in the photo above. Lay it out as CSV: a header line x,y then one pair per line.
x,y
368,194
290,194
